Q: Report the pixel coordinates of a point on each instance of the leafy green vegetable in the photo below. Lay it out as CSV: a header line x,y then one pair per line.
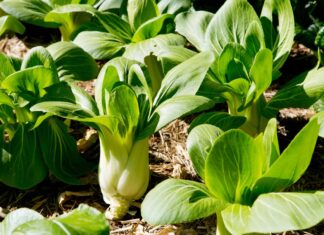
x,y
249,51
82,220
68,16
243,183
47,145
132,102
143,31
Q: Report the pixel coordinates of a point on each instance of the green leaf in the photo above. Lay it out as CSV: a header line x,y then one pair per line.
x,y
261,77
254,38
294,160
70,17
7,67
30,11
13,170
222,120
73,62
230,24
199,143
270,143
39,227
115,25
111,5
16,218
84,220
140,11
179,106
115,70
177,201
231,170
174,7
275,213
279,38
39,56
193,26
11,24
138,51
72,93
153,27
123,104
100,45
186,78
60,152
65,2
30,83
302,92
170,56
233,63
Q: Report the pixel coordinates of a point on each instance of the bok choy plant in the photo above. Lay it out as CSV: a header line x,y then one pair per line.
x,y
27,153
243,182
82,220
131,103
249,51
67,15
145,27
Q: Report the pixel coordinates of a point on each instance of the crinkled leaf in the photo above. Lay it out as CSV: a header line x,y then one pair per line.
x,y
294,160
275,213
193,26
16,218
72,61
11,24
177,201
199,143
221,120
84,220
100,45
13,170
153,27
30,11
138,51
140,11
231,170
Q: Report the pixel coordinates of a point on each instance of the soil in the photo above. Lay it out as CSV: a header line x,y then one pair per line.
x,y
168,158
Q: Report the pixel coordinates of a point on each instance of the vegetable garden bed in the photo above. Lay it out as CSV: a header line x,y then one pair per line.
x,y
170,150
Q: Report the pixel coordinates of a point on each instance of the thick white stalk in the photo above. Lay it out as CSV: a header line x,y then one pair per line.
x,y
123,173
